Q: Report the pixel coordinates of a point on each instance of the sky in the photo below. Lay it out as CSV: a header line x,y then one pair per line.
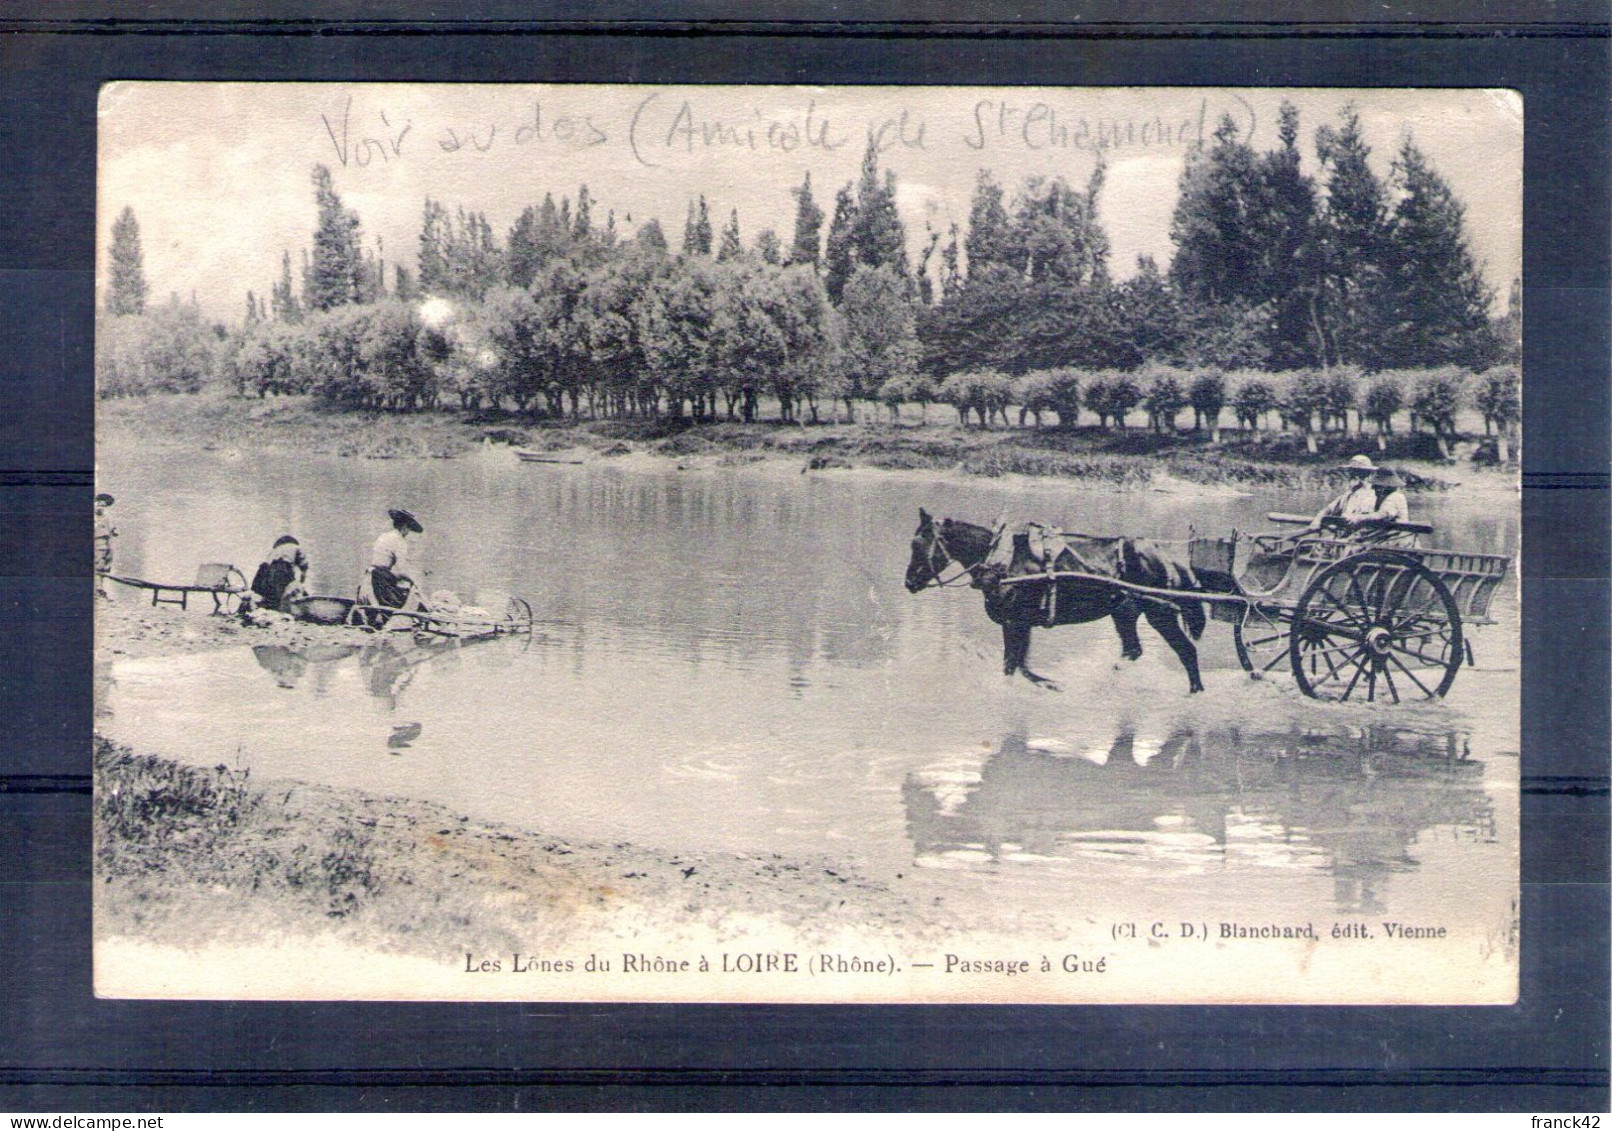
x,y
219,174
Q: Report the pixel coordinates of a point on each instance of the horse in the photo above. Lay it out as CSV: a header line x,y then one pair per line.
x,y
1018,608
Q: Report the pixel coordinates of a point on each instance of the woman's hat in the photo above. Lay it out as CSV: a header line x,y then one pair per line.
x,y
404,518
285,540
104,500
1387,477
1359,463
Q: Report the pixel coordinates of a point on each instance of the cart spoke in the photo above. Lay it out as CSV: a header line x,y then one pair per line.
x,y
1410,611
1388,677
1320,626
1352,647
1274,660
1324,654
1360,668
1430,661
1354,584
1411,674
1350,616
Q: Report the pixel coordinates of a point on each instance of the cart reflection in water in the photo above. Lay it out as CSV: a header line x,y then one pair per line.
x,y
1348,801
388,666
289,665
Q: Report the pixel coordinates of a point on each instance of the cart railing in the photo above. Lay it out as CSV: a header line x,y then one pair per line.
x,y
1471,578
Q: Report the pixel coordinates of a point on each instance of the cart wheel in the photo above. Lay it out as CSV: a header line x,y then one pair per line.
x,y
1378,624
1261,636
519,615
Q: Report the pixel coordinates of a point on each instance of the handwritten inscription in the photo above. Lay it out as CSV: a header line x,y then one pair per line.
x,y
662,127
658,126
1042,125
384,144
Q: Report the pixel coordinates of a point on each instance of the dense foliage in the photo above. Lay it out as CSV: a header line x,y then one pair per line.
x,y
1293,300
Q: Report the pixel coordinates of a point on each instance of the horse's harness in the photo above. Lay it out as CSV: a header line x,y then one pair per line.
x,y
939,582
1049,610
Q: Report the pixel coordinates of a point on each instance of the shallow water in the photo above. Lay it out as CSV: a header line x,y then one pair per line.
x,y
727,660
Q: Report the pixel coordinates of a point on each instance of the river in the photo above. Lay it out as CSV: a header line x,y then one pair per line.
x,y
725,660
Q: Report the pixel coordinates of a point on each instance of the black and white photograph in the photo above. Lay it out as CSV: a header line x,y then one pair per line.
x,y
924,544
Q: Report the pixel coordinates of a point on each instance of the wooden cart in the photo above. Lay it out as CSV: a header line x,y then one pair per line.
x,y
1357,620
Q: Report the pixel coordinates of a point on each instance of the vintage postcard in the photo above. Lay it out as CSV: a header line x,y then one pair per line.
x,y
807,544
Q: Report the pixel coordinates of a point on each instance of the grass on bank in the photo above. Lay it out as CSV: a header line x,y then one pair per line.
x,y
188,854
1126,457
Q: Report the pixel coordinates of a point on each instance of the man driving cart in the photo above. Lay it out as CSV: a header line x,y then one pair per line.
x,y
1371,509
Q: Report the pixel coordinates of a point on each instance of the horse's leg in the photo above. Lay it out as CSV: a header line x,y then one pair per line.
x,y
1125,614
1166,620
1016,655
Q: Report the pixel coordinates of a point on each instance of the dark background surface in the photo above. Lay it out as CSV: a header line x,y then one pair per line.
x,y
62,1050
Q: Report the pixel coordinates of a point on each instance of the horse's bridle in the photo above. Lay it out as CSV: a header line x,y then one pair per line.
x,y
936,580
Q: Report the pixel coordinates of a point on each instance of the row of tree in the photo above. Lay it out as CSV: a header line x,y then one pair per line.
x,y
648,334
1307,400
637,334
1272,271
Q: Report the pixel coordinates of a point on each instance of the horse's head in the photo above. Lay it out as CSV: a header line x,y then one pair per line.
x,y
937,547
929,555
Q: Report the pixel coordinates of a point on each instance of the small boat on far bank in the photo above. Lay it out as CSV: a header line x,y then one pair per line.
x,y
527,455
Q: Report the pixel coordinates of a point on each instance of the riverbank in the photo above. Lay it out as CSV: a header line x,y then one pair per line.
x,y
197,863
191,857
1133,457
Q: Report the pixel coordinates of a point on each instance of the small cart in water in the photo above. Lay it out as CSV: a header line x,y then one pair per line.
x,y
1355,619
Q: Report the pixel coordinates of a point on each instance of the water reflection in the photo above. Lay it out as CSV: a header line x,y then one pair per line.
x,y
403,735
387,665
1349,801
288,666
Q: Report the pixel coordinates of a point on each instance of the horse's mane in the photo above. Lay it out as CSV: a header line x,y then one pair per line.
x,y
967,537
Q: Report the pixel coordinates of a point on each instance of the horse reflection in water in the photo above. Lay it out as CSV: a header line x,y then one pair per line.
x,y
1349,801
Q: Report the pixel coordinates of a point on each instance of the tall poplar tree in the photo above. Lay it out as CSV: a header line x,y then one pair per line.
x,y
126,288
336,270
1216,257
697,229
987,239
522,259
1351,234
434,237
730,247
582,225
1439,301
1284,231
839,256
807,248
877,234
283,302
